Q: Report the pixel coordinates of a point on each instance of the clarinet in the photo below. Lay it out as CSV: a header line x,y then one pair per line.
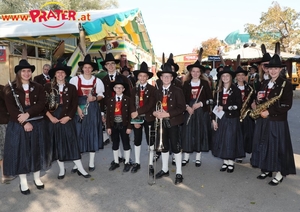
x,y
19,103
16,97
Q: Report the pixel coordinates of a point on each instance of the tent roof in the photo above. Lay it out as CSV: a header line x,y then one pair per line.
x,y
103,23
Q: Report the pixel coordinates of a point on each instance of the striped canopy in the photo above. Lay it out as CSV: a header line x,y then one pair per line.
x,y
102,23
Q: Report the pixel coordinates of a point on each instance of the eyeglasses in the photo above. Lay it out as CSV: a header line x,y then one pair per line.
x,y
111,63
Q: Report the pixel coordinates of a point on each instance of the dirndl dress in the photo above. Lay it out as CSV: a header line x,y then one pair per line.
x,y
196,136
89,129
63,138
273,150
228,139
26,152
247,126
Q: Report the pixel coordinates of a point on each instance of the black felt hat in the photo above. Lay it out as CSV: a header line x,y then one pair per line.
x,y
24,64
143,69
254,66
227,69
60,66
241,70
221,66
125,68
167,69
109,57
197,65
88,60
266,58
275,62
112,85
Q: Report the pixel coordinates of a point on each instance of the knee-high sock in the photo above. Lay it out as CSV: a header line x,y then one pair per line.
x,y
278,176
137,154
230,162
120,150
186,156
127,155
116,156
165,161
226,162
92,159
198,156
80,167
178,161
23,182
37,179
151,153
61,168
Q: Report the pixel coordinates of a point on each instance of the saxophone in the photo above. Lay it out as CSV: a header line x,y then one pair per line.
x,y
245,110
52,98
255,113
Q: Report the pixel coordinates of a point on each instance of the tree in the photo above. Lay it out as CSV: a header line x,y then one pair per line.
x,y
277,25
210,47
23,6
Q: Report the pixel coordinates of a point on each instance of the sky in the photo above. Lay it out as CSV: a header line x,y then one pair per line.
x,y
179,26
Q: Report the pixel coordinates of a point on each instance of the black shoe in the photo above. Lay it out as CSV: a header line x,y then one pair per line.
x,y
25,192
161,174
107,141
40,187
73,171
121,160
62,176
85,176
239,160
275,181
264,175
151,170
198,163
184,162
224,167
135,168
230,168
126,167
91,169
178,179
114,166
156,157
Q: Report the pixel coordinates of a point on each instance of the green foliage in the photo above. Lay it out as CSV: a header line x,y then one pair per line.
x,y
276,25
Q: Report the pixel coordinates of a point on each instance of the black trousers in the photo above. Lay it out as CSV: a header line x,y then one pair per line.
x,y
119,131
170,139
138,133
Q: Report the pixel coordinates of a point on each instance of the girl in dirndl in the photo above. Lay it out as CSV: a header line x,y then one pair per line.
x,y
88,118
61,129
274,151
196,131
227,138
25,148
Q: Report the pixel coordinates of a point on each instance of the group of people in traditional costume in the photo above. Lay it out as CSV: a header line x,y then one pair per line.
x,y
61,119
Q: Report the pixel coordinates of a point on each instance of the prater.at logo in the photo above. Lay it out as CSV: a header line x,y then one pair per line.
x,y
59,15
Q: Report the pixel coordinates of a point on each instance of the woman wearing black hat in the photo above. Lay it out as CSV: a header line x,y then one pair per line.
x,y
228,138
196,130
274,152
88,119
248,95
61,129
24,143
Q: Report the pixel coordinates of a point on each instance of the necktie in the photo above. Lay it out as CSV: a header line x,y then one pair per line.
x,y
142,87
111,77
165,91
119,99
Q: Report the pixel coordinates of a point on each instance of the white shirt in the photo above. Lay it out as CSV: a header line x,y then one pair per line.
x,y
99,84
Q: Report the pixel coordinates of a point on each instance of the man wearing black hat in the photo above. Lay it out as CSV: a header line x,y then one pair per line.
x,y
142,106
127,73
44,77
112,75
171,113
254,77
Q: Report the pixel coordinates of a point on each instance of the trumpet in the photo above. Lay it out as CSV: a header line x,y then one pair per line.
x,y
159,124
